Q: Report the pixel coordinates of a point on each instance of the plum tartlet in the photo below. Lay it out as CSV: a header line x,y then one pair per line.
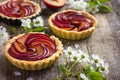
x,y
33,51
71,24
19,9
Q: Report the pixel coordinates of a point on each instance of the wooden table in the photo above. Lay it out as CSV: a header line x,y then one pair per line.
x,y
105,41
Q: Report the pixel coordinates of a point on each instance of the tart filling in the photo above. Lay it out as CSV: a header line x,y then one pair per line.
x,y
72,24
33,51
18,8
32,47
72,20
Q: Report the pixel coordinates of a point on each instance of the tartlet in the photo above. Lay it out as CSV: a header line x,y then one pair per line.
x,y
19,9
33,51
72,24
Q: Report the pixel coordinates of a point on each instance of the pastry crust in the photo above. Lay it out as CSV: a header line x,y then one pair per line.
x,y
37,11
72,35
33,65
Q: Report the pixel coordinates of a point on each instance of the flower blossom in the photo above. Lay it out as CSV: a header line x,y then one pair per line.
x,y
83,56
104,69
3,35
17,73
100,64
67,50
76,55
97,60
78,4
71,53
83,76
38,21
29,78
26,23
77,46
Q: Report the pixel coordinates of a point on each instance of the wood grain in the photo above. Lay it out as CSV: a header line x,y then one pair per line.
x,y
105,41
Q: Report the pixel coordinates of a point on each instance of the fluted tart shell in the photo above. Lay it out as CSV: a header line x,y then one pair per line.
x,y
72,34
36,7
33,65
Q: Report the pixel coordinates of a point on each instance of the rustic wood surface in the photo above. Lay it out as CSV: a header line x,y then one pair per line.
x,y
105,41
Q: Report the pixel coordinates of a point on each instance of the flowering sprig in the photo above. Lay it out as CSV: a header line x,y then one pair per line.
x,y
100,65
78,4
3,35
38,21
35,25
92,66
92,6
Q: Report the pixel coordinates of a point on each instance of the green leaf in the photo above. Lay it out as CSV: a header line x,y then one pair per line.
x,y
63,79
12,30
95,76
104,0
38,29
64,70
56,79
105,8
31,24
93,3
87,69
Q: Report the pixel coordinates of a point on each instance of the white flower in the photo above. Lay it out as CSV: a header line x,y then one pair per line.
x,y
26,23
83,56
106,66
83,76
67,50
78,4
17,73
100,64
76,45
71,53
76,55
38,21
3,35
29,78
97,60
104,69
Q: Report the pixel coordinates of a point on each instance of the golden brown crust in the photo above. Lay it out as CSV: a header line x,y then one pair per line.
x,y
37,11
72,35
33,65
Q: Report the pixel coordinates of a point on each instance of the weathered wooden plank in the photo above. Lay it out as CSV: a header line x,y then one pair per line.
x,y
103,43
116,7
114,21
